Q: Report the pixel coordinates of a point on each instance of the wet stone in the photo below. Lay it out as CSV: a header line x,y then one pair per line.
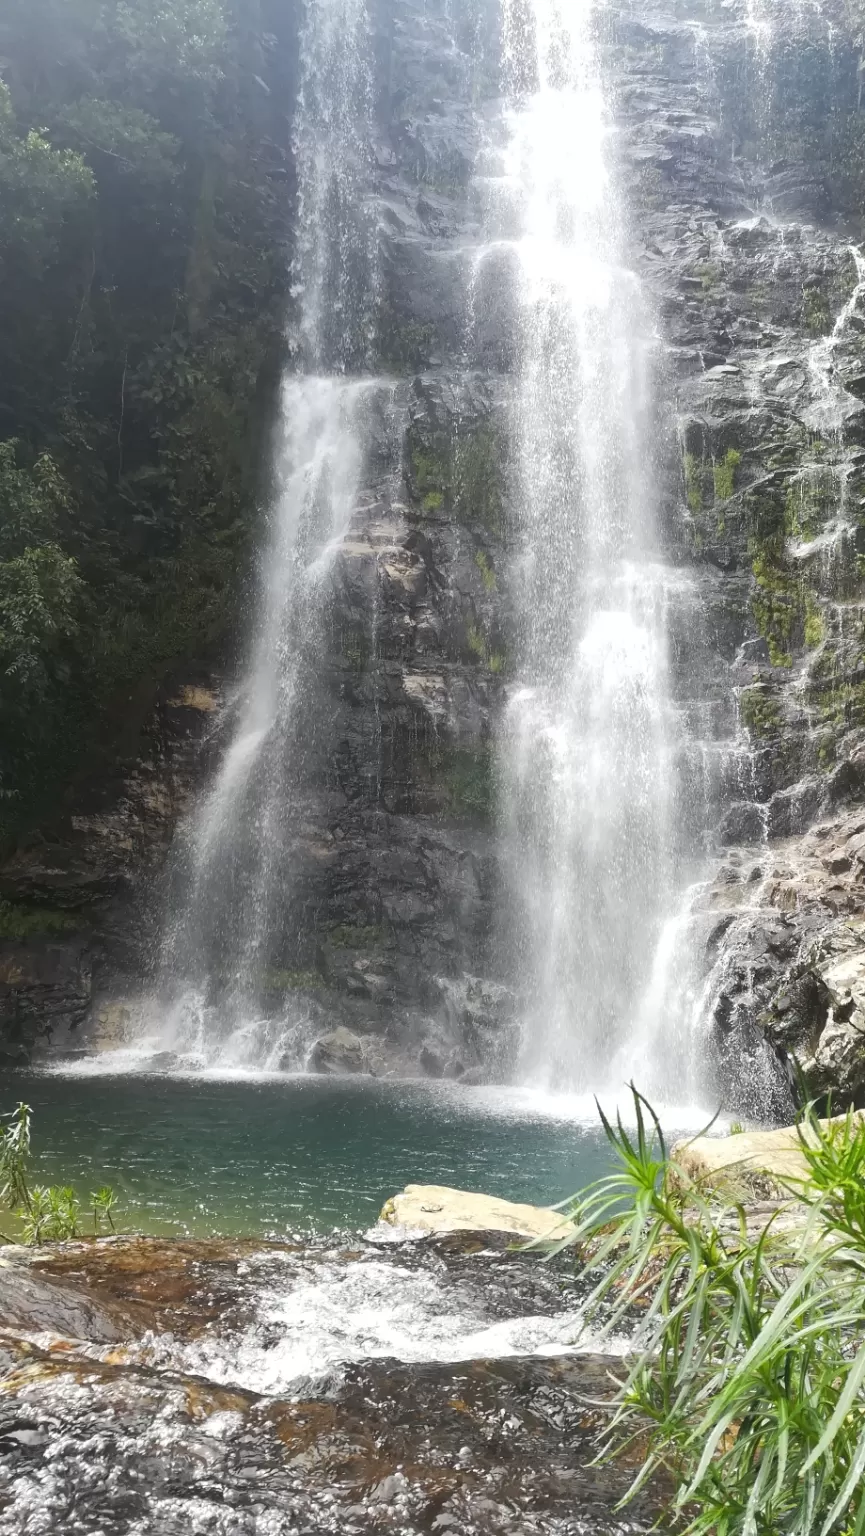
x,y
102,1438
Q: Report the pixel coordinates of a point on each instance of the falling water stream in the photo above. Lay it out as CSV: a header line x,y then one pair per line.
x,y
587,737
588,742
229,914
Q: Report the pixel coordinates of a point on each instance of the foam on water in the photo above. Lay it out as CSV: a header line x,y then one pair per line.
x,y
366,1309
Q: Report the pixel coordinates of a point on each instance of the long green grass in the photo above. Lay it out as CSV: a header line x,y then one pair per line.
x,y
744,1381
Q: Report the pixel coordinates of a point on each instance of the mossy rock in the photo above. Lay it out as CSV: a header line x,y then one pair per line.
x,y
356,935
18,921
460,473
759,712
467,776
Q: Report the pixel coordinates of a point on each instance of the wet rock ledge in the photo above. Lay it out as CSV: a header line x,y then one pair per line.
x,y
250,1389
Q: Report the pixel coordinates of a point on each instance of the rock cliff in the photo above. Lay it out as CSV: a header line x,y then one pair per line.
x,y
737,144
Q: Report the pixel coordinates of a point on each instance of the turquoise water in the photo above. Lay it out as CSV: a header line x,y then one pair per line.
x,y
272,1156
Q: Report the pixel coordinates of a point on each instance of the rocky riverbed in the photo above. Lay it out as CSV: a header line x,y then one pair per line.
x,y
256,1389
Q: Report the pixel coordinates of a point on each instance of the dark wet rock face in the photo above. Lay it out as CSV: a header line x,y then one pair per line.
x,y
79,901
98,1437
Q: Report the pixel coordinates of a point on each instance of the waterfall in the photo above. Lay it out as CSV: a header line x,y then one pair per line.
x,y
588,741
230,927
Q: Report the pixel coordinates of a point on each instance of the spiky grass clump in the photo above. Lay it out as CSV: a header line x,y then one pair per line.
x,y
746,1378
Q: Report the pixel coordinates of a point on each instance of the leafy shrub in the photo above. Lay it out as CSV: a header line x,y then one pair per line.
x,y
46,1213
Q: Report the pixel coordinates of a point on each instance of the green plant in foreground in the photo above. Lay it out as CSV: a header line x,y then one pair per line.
x,y
14,1158
103,1201
46,1213
746,1379
52,1215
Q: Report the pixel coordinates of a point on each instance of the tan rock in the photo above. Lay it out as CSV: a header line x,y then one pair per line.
x,y
748,1156
193,697
436,1208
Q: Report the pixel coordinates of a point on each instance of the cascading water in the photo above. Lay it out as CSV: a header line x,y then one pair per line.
x,y
230,931
587,743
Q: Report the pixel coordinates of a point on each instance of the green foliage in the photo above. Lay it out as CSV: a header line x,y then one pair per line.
x,y
759,712
103,1201
41,593
144,210
41,189
45,1213
745,1382
183,39
15,1157
51,1215
724,474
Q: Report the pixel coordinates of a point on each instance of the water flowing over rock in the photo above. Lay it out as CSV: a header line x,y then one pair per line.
x,y
546,755
341,1387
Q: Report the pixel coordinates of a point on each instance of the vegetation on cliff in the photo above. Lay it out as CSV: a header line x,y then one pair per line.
x,y
145,201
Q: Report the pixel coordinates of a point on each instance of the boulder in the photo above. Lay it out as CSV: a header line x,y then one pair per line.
x,y
436,1208
431,1063
339,1052
28,1301
748,1157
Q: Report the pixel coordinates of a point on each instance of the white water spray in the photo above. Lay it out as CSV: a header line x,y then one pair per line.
x,y
587,748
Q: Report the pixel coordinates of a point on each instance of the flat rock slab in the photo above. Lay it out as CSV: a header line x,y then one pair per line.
x,y
436,1208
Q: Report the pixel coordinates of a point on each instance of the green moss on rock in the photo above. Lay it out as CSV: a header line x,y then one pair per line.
x,y
759,712
480,648
480,480
468,778
724,474
693,470
776,604
814,626
356,935
816,316
292,981
488,575
18,921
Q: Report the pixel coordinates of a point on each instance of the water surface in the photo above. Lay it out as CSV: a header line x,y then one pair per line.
x,y
205,1155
